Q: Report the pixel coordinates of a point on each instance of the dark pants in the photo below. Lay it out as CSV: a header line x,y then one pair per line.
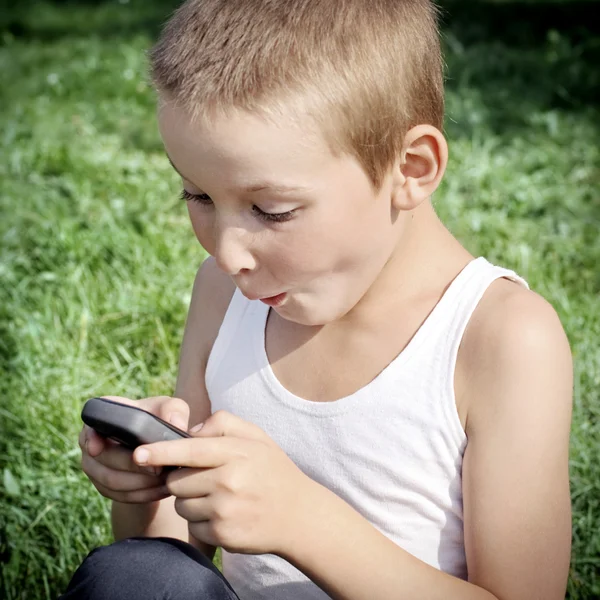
x,y
149,569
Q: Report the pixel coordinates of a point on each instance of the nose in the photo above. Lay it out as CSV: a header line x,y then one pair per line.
x,y
232,251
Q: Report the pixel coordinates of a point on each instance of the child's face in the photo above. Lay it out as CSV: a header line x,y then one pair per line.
x,y
331,234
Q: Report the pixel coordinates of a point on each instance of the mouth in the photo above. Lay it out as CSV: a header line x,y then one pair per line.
x,y
275,300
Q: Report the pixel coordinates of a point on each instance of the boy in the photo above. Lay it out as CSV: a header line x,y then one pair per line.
x,y
384,416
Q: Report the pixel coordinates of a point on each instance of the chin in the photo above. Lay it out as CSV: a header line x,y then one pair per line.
x,y
309,316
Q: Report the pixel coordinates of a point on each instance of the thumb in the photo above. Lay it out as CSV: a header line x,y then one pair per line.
x,y
94,443
173,410
223,423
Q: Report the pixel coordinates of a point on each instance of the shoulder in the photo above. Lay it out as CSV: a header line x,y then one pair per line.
x,y
210,279
211,294
514,339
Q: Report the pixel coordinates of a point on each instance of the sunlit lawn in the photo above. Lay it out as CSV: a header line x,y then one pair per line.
x,y
97,258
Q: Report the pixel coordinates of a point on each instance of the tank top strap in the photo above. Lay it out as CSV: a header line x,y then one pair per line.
x,y
455,308
458,306
481,274
445,328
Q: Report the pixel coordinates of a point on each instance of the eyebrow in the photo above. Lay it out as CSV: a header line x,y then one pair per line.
x,y
256,187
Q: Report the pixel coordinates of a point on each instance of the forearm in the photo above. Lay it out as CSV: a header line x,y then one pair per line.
x,y
350,559
155,519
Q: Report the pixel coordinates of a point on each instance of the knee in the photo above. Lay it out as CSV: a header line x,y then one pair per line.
x,y
147,568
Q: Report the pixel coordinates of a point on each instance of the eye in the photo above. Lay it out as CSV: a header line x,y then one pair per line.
x,y
200,198
206,200
273,217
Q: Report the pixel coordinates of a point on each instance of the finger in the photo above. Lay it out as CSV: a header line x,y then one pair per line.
x,y
191,483
118,481
152,494
119,458
112,454
173,410
90,441
83,437
224,423
192,452
95,443
195,509
204,531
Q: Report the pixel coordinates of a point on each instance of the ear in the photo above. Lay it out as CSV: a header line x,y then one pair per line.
x,y
420,168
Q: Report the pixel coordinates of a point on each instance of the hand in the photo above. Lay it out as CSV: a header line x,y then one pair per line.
x,y
109,465
238,489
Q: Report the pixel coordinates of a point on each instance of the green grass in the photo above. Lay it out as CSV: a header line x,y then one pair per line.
x,y
97,257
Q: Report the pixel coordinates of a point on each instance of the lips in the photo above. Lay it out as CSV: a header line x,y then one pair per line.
x,y
258,296
271,297
274,300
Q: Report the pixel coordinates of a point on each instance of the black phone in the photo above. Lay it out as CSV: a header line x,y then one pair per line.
x,y
128,425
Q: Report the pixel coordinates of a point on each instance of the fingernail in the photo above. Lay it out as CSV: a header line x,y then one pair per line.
x,y
197,428
142,456
178,420
152,470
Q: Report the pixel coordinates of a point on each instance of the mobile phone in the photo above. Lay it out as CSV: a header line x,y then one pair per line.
x,y
127,425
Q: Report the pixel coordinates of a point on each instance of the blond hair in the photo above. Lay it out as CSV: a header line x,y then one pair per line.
x,y
365,70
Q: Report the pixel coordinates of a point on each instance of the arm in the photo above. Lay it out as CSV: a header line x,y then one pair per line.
x,y
516,482
515,477
210,298
211,294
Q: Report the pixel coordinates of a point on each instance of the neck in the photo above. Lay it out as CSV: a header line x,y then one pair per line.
x,y
425,259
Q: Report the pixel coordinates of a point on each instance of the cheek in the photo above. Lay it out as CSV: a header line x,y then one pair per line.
x,y
341,236
348,250
202,226
317,247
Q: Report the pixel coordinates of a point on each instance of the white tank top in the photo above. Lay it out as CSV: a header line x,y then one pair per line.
x,y
393,450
